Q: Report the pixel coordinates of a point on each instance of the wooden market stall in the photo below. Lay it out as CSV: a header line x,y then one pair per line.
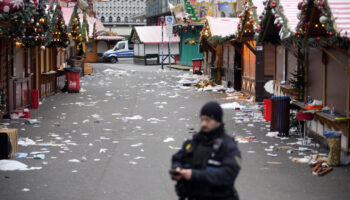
x,y
148,45
276,36
254,75
215,43
323,30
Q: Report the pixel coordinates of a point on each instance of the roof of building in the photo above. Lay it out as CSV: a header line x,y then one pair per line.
x,y
341,14
153,35
223,27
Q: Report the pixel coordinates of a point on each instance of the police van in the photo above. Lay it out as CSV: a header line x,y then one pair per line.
x,y
123,49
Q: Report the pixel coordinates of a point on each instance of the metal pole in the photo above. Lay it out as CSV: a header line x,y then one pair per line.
x,y
169,46
162,21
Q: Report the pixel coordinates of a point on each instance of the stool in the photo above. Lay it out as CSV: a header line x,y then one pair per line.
x,y
304,117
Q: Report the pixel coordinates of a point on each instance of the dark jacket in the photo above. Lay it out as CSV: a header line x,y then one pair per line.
x,y
215,162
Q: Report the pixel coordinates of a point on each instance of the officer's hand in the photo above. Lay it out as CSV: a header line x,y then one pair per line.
x,y
185,173
176,177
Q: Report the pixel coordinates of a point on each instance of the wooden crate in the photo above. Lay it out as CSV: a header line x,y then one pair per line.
x,y
88,70
13,135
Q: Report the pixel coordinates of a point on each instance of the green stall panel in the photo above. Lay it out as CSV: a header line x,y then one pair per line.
x,y
189,51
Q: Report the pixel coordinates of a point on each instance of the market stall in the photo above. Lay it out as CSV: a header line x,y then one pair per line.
x,y
148,45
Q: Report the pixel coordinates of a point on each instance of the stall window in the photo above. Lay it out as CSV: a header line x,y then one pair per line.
x,y
90,47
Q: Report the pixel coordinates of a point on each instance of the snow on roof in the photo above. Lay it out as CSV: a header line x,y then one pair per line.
x,y
341,13
153,34
223,26
291,11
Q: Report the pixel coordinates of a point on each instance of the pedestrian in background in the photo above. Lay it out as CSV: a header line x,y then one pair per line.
x,y
207,166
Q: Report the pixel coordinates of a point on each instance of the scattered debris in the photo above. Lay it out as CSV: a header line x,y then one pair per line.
x,y
13,165
274,163
169,139
25,142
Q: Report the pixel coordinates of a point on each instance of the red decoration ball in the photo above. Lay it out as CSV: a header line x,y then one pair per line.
x,y
330,33
273,5
39,30
300,5
318,38
66,34
278,25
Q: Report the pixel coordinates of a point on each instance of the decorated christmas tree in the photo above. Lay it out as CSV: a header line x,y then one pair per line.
x,y
59,34
74,26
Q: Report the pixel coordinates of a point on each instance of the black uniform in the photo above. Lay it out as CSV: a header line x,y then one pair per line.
x,y
215,162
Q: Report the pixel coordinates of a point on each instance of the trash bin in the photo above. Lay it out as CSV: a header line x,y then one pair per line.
x,y
334,144
280,108
35,98
177,59
197,65
73,79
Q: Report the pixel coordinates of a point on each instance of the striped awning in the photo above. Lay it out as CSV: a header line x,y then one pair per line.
x,y
341,13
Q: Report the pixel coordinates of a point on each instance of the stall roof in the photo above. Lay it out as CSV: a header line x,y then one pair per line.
x,y
259,6
67,14
223,26
110,38
341,14
153,34
91,21
291,11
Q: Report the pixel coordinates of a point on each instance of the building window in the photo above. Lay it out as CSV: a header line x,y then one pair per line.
x,y
126,19
118,19
102,19
110,19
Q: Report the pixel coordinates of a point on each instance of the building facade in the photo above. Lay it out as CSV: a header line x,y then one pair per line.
x,y
119,15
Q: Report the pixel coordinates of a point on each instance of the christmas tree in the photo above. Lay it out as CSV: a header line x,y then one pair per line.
x,y
59,32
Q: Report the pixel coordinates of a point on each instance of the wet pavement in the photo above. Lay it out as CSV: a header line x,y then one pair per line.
x,y
114,140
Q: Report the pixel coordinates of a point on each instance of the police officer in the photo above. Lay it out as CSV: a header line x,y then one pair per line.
x,y
206,167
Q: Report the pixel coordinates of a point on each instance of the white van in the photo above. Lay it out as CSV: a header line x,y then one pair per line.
x,y
123,49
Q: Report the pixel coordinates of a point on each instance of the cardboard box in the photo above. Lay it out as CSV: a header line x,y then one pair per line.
x,y
13,135
88,70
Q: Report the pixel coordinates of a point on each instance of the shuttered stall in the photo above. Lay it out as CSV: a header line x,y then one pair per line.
x,y
336,83
315,74
269,60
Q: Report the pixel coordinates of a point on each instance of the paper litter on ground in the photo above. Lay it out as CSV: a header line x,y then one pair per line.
x,y
25,142
169,139
13,165
232,105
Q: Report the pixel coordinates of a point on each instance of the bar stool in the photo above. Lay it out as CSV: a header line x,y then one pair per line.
x,y
304,116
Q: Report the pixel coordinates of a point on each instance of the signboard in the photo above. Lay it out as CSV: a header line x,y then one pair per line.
x,y
169,20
